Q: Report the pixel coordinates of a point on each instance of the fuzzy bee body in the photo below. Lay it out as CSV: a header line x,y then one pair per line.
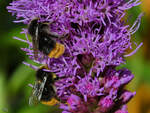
x,y
44,90
43,40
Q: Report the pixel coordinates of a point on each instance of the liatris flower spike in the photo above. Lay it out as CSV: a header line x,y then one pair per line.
x,y
97,43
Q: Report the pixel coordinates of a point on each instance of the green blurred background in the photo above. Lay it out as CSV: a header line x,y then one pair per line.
x,y
15,76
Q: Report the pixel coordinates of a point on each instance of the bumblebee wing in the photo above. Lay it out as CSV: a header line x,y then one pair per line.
x,y
37,92
35,48
33,99
35,43
42,88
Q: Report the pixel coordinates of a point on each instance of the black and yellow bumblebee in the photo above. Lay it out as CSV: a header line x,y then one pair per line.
x,y
44,90
44,41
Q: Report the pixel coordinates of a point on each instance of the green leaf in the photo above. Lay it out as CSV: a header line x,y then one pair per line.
x,y
40,109
3,104
19,77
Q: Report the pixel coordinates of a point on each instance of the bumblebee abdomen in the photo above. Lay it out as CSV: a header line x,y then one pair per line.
x,y
49,95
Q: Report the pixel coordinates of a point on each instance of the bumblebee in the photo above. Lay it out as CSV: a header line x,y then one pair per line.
x,y
43,40
44,90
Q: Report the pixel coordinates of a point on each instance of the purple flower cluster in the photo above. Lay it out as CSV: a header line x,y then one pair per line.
x,y
97,44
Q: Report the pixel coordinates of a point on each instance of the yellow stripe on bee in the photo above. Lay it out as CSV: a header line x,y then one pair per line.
x,y
54,51
61,51
57,51
52,102
39,81
44,67
54,76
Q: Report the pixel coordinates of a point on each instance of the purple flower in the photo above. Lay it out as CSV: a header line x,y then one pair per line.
x,y
97,44
77,11
123,109
98,96
89,87
126,96
105,104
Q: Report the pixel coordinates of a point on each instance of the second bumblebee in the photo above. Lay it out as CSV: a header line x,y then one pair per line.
x,y
44,90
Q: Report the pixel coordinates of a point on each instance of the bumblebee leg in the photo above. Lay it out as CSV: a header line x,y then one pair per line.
x,y
61,51
51,102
